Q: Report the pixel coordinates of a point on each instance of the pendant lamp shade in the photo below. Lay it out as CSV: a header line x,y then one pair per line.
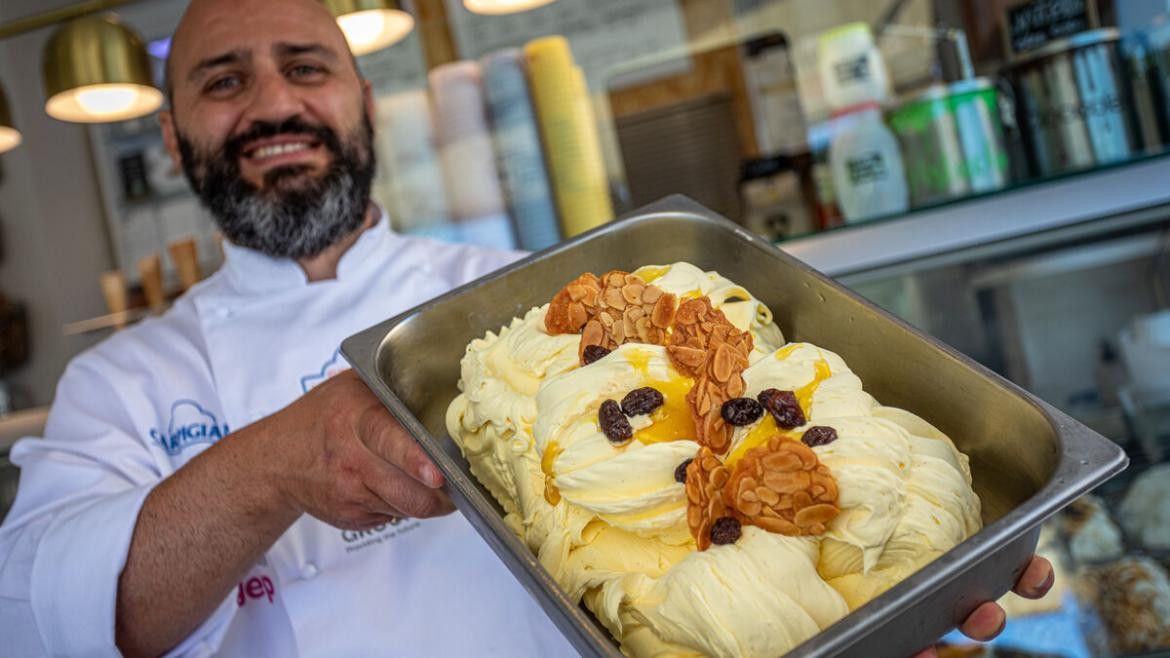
x,y
96,70
9,135
497,7
371,25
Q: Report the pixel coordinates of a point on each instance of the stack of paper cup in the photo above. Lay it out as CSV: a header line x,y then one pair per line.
x,y
412,185
465,149
572,146
518,153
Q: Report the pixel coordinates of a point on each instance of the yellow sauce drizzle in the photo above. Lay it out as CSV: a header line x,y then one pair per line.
x,y
551,493
767,428
672,421
804,394
786,351
649,274
758,436
692,294
640,360
821,372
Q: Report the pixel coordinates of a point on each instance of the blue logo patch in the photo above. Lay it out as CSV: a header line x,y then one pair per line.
x,y
334,366
190,424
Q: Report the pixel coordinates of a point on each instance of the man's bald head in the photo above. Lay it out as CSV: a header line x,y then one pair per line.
x,y
202,17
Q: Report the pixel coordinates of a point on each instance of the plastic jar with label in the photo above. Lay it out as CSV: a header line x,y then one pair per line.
x,y
851,68
866,164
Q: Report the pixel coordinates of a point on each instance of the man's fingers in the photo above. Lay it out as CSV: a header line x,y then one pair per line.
x,y
372,502
372,521
1036,580
985,623
402,492
387,439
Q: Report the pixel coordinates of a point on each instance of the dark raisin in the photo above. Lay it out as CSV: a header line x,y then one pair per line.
x,y
741,411
614,423
725,530
594,352
819,436
680,473
783,406
641,401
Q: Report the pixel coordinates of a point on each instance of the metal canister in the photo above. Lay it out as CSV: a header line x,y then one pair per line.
x,y
1073,103
975,106
929,136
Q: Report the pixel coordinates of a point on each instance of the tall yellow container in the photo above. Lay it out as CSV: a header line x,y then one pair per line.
x,y
569,130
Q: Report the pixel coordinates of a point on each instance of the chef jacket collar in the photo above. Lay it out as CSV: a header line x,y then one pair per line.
x,y
249,270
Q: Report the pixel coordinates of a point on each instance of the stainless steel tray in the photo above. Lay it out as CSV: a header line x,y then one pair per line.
x,y
1028,459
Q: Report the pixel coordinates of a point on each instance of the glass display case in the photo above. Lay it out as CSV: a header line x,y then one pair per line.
x,y
1077,314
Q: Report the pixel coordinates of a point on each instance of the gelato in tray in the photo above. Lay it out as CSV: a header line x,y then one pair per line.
x,y
704,487
573,401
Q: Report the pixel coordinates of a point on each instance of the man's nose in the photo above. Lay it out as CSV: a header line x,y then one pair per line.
x,y
273,99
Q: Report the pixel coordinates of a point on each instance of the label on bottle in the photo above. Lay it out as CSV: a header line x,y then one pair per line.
x,y
852,70
867,168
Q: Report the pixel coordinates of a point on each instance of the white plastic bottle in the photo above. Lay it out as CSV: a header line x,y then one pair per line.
x,y
866,164
851,67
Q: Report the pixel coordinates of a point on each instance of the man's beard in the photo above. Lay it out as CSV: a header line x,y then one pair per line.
x,y
296,215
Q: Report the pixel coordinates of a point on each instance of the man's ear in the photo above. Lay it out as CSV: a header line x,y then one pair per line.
x,y
371,106
166,121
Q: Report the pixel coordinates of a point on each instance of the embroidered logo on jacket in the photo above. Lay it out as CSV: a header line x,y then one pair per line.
x,y
356,540
190,424
334,366
256,587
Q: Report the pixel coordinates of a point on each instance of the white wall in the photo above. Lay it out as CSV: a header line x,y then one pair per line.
x,y
54,234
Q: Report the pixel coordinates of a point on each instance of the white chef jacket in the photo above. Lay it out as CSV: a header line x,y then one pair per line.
x,y
239,346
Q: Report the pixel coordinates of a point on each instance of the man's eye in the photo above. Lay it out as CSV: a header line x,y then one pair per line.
x,y
301,70
226,82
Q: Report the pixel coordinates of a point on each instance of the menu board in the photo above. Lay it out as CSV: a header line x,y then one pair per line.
x,y
1034,24
603,33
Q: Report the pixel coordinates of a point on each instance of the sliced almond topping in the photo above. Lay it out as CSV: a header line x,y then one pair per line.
x,y
706,504
633,292
777,488
706,346
572,307
613,298
662,314
621,308
816,514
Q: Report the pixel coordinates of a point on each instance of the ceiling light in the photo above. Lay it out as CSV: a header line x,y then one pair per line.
x,y
496,7
9,135
96,70
371,25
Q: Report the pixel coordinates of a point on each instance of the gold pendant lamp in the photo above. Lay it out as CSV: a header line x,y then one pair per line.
x,y
371,25
96,70
498,7
9,135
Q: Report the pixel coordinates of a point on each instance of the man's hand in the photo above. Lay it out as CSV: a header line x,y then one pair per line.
x,y
348,462
335,453
988,620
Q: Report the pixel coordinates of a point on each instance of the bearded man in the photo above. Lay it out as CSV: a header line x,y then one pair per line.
x,y
213,481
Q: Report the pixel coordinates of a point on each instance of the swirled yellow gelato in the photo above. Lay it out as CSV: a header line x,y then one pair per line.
x,y
608,518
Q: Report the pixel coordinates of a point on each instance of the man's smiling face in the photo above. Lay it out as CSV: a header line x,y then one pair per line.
x,y
270,120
